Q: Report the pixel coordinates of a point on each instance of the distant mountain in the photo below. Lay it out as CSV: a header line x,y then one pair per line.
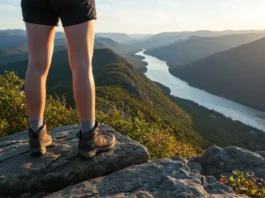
x,y
19,32
125,50
118,37
237,74
19,52
166,38
140,36
120,48
196,48
9,39
13,46
16,53
121,83
14,37
17,37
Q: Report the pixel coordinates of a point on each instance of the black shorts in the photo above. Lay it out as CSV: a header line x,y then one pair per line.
x,y
48,12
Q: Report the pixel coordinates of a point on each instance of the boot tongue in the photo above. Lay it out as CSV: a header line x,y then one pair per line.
x,y
79,134
87,135
43,127
39,130
34,133
97,124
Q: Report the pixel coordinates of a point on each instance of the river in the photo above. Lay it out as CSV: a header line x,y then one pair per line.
x,y
157,70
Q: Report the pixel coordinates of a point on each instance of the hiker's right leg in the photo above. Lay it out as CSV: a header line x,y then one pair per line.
x,y
80,40
78,22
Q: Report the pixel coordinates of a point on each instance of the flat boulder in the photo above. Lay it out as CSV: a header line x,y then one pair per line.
x,y
163,178
20,173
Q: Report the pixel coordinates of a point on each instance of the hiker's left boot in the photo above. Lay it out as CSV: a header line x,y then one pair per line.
x,y
39,140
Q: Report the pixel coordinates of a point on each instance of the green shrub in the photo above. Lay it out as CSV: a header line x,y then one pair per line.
x,y
159,139
12,104
13,117
246,184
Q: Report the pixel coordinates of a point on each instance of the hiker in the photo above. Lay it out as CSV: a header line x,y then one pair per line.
x,y
77,16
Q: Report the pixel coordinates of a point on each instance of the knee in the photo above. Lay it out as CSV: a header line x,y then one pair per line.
x,y
39,66
81,67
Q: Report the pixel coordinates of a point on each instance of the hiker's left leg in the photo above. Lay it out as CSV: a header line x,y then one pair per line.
x,y
41,21
40,45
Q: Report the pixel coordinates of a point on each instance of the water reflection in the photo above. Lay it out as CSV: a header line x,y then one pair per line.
x,y
158,72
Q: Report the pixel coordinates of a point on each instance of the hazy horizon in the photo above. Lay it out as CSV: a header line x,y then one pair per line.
x,y
139,33
149,17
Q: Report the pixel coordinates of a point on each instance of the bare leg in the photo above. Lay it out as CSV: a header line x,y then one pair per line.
x,y
40,43
80,40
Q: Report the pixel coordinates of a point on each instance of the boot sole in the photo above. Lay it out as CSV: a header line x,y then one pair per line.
x,y
41,150
91,154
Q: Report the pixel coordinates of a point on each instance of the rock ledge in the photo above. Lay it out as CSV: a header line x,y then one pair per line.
x,y
20,173
167,178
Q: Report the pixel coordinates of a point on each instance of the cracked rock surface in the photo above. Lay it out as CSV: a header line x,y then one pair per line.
x,y
21,173
163,178
222,161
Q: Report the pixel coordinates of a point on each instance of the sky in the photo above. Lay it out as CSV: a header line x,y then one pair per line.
x,y
154,16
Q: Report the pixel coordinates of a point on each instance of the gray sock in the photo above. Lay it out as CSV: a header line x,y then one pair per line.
x,y
36,124
87,125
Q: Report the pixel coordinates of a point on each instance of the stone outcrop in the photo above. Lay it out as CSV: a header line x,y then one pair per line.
x,y
20,173
122,172
217,161
163,178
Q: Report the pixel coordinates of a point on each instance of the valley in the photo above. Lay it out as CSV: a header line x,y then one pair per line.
x,y
119,80
132,98
236,74
196,48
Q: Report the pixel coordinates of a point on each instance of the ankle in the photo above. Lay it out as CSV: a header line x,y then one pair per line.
x,y
36,124
87,125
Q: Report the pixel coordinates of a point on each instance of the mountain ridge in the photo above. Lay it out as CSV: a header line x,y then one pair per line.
x,y
19,51
166,38
196,48
241,69
118,81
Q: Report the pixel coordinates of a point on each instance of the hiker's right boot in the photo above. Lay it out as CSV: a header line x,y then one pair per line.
x,y
39,140
96,140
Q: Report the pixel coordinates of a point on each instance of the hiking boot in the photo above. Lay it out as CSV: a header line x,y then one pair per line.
x,y
96,140
39,140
